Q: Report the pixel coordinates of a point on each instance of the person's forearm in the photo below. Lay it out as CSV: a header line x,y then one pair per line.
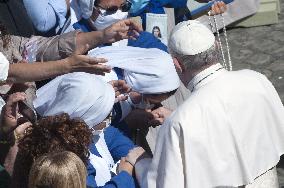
x,y
24,72
93,39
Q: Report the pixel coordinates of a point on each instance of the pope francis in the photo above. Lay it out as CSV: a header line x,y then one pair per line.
x,y
228,133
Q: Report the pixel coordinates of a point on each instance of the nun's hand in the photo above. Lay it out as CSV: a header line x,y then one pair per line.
x,y
139,119
219,7
160,114
84,63
123,29
120,87
126,166
136,154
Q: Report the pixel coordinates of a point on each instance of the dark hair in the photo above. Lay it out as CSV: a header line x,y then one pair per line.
x,y
52,134
156,27
4,34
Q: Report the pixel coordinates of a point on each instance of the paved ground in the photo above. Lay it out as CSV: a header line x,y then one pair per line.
x,y
262,49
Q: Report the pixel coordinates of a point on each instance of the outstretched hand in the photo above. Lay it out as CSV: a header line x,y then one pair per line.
x,y
85,63
123,29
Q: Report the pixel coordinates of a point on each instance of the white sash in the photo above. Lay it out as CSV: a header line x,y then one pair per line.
x,y
103,164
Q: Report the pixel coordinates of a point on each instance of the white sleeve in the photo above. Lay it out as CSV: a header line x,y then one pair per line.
x,y
166,169
2,103
4,67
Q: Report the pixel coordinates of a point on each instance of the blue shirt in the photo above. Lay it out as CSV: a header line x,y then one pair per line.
x,y
119,146
48,16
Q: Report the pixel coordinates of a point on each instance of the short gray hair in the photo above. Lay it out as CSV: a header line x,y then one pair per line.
x,y
198,61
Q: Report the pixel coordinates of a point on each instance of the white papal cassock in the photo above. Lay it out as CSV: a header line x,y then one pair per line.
x,y
227,133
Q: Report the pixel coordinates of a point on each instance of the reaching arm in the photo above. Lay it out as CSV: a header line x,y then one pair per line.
x,y
24,72
63,45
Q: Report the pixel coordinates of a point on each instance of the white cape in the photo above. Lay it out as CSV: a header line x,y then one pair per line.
x,y
227,133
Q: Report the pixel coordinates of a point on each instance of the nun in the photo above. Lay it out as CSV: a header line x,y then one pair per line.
x,y
94,105
149,72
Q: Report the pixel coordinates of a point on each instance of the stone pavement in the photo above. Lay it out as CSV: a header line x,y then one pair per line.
x,y
261,49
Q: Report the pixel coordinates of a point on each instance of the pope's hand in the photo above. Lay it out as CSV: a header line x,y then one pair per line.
x,y
160,114
123,29
218,7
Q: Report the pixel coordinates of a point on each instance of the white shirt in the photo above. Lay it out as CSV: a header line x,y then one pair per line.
x,y
4,67
227,133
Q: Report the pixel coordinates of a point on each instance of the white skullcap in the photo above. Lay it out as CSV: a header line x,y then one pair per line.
x,y
4,67
148,71
190,38
81,95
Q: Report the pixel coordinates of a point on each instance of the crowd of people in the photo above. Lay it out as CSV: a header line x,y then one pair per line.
x,y
80,93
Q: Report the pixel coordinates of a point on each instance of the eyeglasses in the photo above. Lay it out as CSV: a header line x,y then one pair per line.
x,y
124,7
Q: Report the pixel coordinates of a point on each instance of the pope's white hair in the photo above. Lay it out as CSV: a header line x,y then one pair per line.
x,y
198,61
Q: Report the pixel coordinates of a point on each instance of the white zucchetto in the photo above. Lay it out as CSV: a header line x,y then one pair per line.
x,y
190,38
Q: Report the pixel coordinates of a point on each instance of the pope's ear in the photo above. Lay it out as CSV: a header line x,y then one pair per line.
x,y
178,65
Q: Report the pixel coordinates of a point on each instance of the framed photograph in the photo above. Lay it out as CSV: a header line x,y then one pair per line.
x,y
157,24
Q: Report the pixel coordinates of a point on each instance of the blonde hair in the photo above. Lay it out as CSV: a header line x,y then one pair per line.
x,y
58,170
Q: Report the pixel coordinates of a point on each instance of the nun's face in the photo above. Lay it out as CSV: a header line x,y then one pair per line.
x,y
156,98
150,99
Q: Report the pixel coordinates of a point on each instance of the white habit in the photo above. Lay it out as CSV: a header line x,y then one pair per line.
x,y
227,133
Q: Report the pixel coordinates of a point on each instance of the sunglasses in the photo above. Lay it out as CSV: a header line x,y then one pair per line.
x,y
125,7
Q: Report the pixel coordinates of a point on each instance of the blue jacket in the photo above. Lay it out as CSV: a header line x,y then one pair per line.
x,y
119,146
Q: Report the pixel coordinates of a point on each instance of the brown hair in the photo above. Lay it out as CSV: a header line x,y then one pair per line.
x,y
58,170
52,134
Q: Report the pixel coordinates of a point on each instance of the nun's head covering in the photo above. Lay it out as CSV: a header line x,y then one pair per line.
x,y
190,38
79,94
148,71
